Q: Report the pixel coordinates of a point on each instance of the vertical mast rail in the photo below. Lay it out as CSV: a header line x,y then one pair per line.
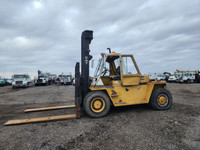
x,y
77,90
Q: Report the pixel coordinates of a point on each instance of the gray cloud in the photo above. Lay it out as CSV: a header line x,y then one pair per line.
x,y
162,35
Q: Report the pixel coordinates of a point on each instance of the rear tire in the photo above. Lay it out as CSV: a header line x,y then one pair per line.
x,y
96,104
161,99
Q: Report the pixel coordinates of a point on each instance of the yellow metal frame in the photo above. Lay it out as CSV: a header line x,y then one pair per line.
x,y
121,98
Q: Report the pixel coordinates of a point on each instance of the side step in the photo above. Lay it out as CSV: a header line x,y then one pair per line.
x,y
49,108
41,119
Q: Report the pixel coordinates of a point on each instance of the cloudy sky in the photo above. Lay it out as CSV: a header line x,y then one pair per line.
x,y
163,35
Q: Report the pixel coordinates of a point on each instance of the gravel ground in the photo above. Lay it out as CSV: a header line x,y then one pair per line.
x,y
131,127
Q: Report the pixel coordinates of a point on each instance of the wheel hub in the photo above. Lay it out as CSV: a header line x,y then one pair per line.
x,y
162,100
97,105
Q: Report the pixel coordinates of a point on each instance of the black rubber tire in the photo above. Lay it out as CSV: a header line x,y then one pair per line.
x,y
154,97
86,96
87,101
188,81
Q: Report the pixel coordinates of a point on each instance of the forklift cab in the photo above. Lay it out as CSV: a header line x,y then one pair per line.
x,y
116,69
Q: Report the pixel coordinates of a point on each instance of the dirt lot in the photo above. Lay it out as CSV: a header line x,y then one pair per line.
x,y
132,127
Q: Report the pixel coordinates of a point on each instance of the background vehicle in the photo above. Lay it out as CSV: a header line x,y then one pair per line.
x,y
52,78
8,81
197,77
160,77
20,80
172,78
45,78
167,75
152,76
156,76
41,80
65,79
186,76
2,81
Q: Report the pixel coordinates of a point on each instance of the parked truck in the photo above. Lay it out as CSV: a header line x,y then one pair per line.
x,y
187,76
41,80
20,80
52,78
65,79
45,78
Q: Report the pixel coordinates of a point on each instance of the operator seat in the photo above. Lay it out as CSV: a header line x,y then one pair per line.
x,y
118,71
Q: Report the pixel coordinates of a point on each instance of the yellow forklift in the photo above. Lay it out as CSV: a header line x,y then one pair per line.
x,y
117,81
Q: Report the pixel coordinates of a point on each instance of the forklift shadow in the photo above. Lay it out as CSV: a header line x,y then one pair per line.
x,y
114,111
131,108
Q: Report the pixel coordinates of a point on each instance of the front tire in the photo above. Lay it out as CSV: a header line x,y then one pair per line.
x,y
96,104
161,99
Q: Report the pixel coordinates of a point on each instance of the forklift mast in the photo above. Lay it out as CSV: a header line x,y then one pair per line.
x,y
86,39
